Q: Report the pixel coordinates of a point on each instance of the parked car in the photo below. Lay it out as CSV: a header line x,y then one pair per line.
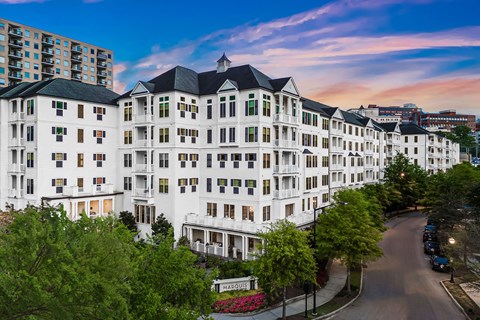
x,y
440,263
431,247
430,227
429,236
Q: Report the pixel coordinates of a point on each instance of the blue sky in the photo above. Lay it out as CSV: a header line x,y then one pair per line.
x,y
344,53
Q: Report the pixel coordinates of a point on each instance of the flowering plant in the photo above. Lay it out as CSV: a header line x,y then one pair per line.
x,y
241,304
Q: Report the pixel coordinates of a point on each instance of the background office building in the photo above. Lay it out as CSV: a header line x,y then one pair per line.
x,y
29,54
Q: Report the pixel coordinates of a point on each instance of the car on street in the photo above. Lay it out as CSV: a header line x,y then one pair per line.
x,y
430,227
440,263
431,247
429,236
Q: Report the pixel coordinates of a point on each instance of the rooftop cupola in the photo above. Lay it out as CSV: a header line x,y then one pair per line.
x,y
223,64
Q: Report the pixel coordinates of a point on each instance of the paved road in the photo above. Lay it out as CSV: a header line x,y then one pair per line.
x,y
401,284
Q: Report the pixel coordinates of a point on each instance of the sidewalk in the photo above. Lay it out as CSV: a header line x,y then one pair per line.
x,y
336,282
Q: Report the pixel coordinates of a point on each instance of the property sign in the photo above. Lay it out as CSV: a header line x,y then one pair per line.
x,y
246,283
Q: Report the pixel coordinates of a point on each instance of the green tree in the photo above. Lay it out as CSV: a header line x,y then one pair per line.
x,y
408,179
127,218
161,227
463,136
53,268
348,232
168,285
286,259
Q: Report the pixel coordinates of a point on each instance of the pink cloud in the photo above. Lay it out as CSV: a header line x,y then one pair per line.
x,y
19,1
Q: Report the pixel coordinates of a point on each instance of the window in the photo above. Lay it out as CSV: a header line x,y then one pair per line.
x,y
99,158
59,133
182,183
266,105
223,135
209,184
266,160
164,107
182,158
325,162
59,106
127,183
59,184
222,183
127,112
247,213
209,136
127,137
30,133
194,159
30,107
99,180
415,139
30,160
415,150
266,134
80,160
236,158
209,109
30,186
59,158
251,105
236,184
229,211
250,184
100,112
324,180
163,160
211,209
231,135
266,213
163,185
99,134
127,160
266,187
232,106
223,107
80,135
164,135
251,134
222,157
250,157
80,111
193,184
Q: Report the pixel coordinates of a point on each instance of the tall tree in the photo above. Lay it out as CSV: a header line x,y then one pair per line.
x,y
286,259
127,218
463,136
161,227
348,232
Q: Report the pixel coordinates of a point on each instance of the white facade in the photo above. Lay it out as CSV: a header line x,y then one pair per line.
x,y
220,166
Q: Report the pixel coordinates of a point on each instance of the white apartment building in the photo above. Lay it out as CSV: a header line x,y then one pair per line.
x,y
221,153
58,145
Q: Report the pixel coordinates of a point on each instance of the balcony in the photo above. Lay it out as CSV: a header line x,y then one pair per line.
x,y
225,223
76,58
101,56
77,68
143,118
285,169
77,77
301,219
16,116
144,168
77,49
285,194
16,167
48,61
288,144
47,41
15,75
102,64
102,74
143,143
16,193
285,118
144,195
15,44
15,65
336,167
47,51
17,142
16,32
15,54
48,71
101,82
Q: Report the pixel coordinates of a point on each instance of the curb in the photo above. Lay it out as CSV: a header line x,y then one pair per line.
x,y
454,300
326,316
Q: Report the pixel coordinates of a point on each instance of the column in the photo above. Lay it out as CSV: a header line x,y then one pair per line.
x,y
225,244
244,254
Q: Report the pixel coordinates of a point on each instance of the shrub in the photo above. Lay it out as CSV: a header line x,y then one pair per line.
x,y
241,304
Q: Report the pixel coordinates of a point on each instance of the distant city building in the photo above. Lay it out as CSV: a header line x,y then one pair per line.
x,y
447,119
374,114
408,113
222,154
29,54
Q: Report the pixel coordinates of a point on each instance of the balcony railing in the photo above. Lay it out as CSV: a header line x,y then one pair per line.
x,y
143,193
15,54
16,116
47,51
15,32
284,194
16,167
77,77
15,43
285,118
143,143
76,68
47,61
225,223
15,65
337,166
102,74
47,41
143,118
16,193
102,64
76,58
47,71
17,142
101,56
285,144
15,75
284,169
143,167
77,49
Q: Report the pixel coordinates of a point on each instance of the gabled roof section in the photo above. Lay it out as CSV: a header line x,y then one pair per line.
x,y
176,79
11,91
285,85
351,118
142,87
315,106
411,128
63,88
388,126
223,58
228,85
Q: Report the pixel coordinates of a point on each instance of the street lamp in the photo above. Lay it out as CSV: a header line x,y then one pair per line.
x,y
451,240
322,209
206,247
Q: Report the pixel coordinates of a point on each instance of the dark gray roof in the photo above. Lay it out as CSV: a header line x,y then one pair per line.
x,y
351,118
205,83
388,126
62,88
411,128
11,91
315,106
223,58
149,86
279,84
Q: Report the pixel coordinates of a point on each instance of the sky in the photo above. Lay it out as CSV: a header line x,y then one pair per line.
x,y
344,53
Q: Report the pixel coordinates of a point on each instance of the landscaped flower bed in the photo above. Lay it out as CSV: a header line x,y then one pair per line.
x,y
241,304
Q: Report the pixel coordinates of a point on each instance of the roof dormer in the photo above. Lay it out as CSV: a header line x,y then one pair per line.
x,y
223,64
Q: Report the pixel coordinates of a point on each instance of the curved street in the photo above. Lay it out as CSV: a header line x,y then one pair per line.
x,y
401,285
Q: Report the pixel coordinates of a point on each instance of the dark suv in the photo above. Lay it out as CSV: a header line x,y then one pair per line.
x,y
440,263
429,236
431,247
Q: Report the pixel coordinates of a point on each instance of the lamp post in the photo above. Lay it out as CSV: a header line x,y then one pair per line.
x,y
315,249
451,240
206,260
